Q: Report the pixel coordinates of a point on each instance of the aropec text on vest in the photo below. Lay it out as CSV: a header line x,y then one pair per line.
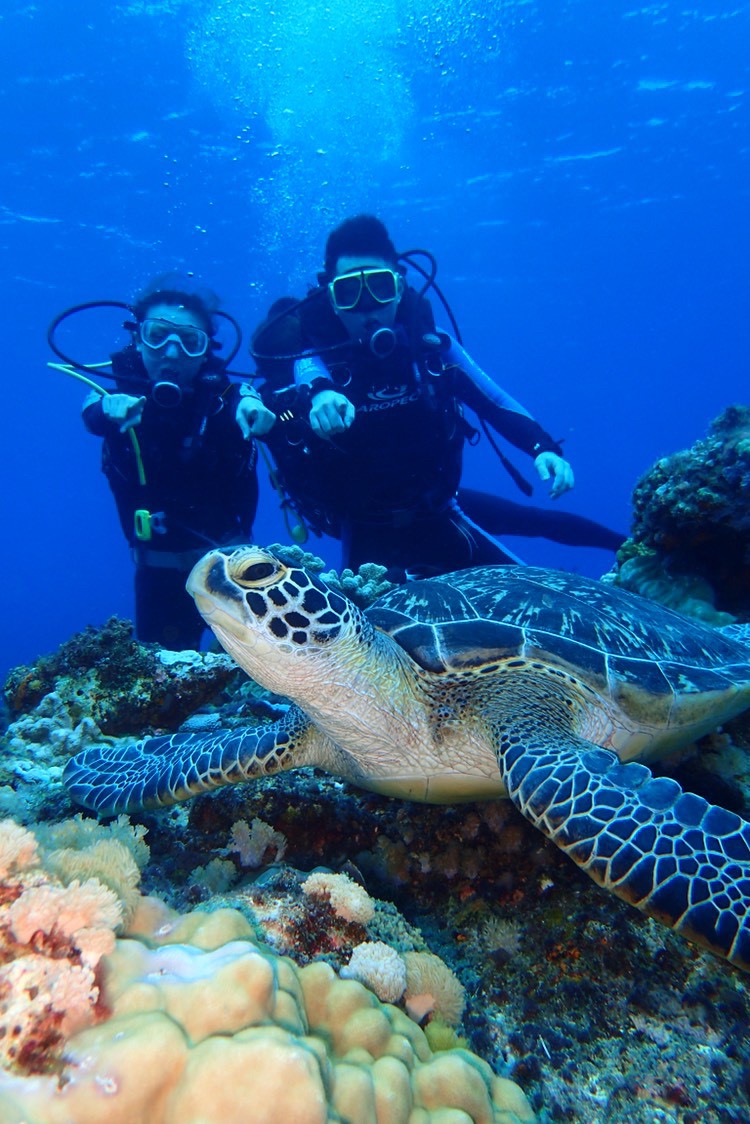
x,y
387,397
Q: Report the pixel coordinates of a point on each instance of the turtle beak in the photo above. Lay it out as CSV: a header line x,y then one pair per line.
x,y
210,587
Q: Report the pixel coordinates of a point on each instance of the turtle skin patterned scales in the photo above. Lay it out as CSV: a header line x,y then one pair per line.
x,y
515,681
160,771
670,853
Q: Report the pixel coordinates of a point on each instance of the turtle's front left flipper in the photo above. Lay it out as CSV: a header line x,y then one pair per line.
x,y
163,770
668,852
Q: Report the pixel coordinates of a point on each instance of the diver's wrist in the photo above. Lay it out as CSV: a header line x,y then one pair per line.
x,y
310,390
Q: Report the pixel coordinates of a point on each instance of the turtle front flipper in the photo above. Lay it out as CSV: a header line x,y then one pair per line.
x,y
670,853
159,771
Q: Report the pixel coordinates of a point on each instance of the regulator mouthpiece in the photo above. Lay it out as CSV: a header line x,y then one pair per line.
x,y
381,341
166,394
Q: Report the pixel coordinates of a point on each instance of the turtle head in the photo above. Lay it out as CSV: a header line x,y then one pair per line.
x,y
273,618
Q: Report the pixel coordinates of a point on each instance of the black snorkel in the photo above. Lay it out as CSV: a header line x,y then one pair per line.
x,y
98,369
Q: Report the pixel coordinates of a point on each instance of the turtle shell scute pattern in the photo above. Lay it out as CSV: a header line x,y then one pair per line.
x,y
467,619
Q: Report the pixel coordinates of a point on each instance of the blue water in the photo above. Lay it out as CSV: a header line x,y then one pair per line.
x,y
580,170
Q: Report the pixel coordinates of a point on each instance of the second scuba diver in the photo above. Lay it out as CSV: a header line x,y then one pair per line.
x,y
177,451
370,397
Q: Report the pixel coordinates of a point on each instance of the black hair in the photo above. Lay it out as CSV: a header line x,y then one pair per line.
x,y
178,288
358,236
277,335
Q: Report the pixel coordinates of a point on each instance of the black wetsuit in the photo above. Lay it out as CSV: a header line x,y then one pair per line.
x,y
200,484
388,486
501,516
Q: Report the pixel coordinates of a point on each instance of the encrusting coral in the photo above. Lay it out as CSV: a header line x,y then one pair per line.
x,y
190,1019
362,586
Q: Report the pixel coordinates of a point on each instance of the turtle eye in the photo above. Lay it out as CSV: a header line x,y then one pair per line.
x,y
256,572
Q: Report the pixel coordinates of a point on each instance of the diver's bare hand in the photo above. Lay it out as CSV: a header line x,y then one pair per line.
x,y
551,465
123,409
330,413
253,418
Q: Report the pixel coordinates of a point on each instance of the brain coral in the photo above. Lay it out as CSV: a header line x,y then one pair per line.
x,y
207,1026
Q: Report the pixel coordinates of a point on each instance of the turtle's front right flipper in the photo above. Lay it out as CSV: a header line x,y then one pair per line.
x,y
158,771
668,852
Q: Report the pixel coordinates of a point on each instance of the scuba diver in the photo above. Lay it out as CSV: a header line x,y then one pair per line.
x,y
371,428
178,450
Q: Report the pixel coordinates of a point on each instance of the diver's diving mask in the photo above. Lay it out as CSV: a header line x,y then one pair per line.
x,y
158,333
346,290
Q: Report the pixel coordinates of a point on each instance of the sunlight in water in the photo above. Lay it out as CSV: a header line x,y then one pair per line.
x,y
319,87
319,75
326,90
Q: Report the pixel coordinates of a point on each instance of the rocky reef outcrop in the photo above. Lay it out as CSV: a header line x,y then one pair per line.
x,y
690,543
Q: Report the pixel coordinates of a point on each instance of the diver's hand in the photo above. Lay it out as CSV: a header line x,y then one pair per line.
x,y
123,409
550,465
331,413
253,418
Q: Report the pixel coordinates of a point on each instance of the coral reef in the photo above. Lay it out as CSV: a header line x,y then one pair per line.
x,y
651,576
599,1014
191,1019
99,684
362,587
566,989
52,938
34,751
690,542
307,926
106,677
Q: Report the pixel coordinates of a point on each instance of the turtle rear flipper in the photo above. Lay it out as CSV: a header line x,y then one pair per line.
x,y
160,771
670,853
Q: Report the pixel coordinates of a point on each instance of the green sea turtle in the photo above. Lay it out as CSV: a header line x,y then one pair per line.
x,y
501,681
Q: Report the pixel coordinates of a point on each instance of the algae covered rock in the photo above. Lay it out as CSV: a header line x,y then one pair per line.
x,y
690,542
122,686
